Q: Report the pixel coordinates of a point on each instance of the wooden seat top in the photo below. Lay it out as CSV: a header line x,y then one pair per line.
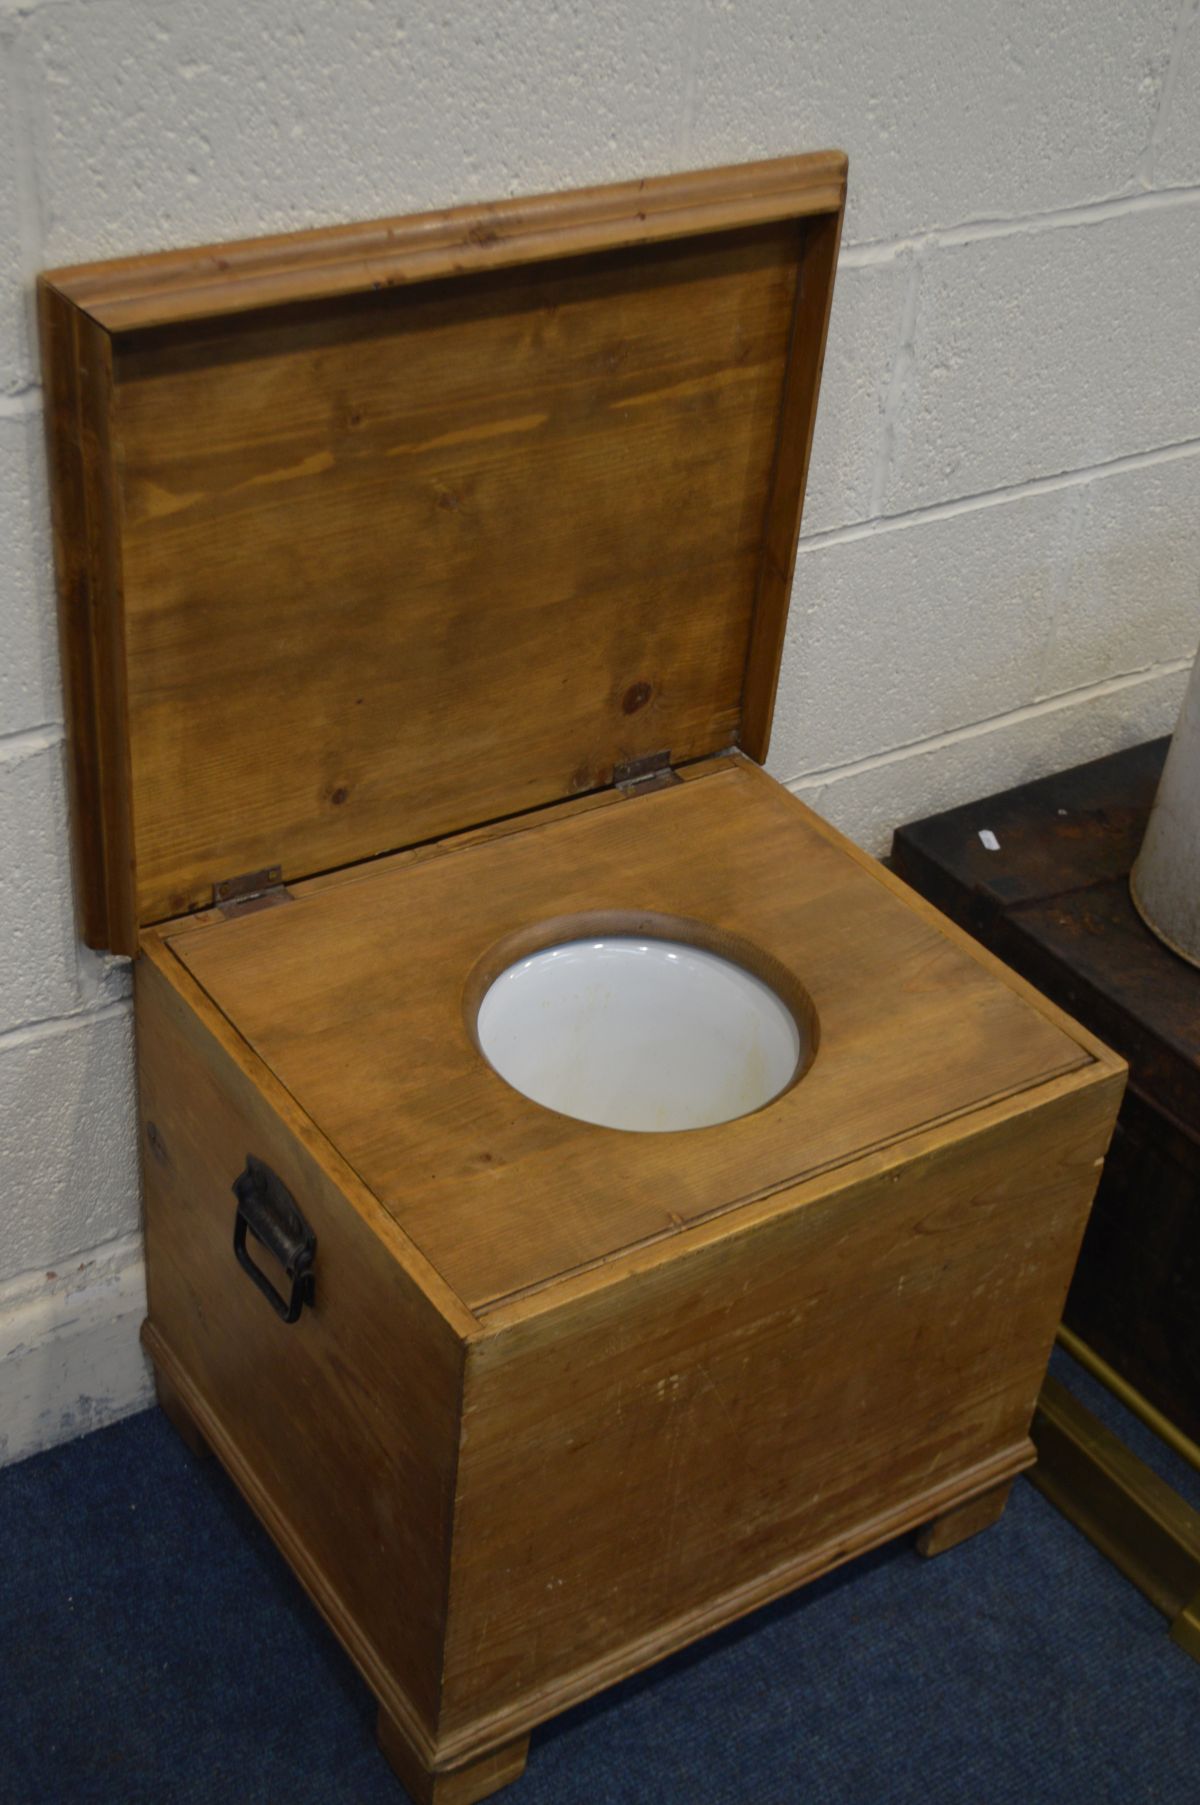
x,y
353,994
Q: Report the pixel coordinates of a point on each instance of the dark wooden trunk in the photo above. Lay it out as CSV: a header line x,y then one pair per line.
x,y
1053,901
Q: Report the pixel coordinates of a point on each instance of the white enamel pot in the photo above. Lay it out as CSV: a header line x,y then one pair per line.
x,y
1165,881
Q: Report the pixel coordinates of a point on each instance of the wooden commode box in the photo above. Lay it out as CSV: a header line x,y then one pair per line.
x,y
423,594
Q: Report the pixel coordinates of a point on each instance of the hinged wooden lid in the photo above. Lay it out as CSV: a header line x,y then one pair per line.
x,y
368,535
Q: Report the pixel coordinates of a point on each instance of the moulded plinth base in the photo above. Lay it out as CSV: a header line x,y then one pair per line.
x,y
464,1785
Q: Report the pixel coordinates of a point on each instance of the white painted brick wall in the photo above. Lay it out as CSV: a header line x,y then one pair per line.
x,y
1000,571
868,797
1174,159
15,348
215,117
848,446
950,111
1050,349
1130,581
29,692
899,635
909,630
38,972
67,1139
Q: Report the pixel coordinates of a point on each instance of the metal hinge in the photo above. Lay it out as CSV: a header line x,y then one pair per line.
x,y
653,772
253,890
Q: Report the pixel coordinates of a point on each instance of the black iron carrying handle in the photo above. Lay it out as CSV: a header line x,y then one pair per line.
x,y
268,1209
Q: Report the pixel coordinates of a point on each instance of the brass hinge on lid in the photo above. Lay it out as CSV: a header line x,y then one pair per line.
x,y
637,775
253,890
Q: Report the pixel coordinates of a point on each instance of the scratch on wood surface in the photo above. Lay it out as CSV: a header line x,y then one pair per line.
x,y
720,1397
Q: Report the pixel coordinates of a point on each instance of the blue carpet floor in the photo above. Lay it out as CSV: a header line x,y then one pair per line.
x,y
155,1651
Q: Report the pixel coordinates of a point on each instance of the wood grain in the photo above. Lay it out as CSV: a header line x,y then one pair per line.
x,y
352,561
777,559
353,995
448,561
346,1445
1055,904
965,1520
708,1426
464,1785
714,1412
214,281
756,1402
77,373
396,540
171,1403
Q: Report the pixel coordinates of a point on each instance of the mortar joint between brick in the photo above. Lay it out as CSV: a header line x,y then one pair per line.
x,y
1071,698
903,362
27,742
990,498
1072,520
51,1027
687,99
872,251
22,401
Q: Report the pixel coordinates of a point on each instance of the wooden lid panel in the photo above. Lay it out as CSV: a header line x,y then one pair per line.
x,y
445,561
371,569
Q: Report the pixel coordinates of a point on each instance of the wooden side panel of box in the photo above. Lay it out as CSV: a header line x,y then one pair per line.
x,y
341,1428
77,378
654,1456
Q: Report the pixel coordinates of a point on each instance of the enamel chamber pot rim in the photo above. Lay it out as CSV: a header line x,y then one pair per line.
x,y
646,1023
